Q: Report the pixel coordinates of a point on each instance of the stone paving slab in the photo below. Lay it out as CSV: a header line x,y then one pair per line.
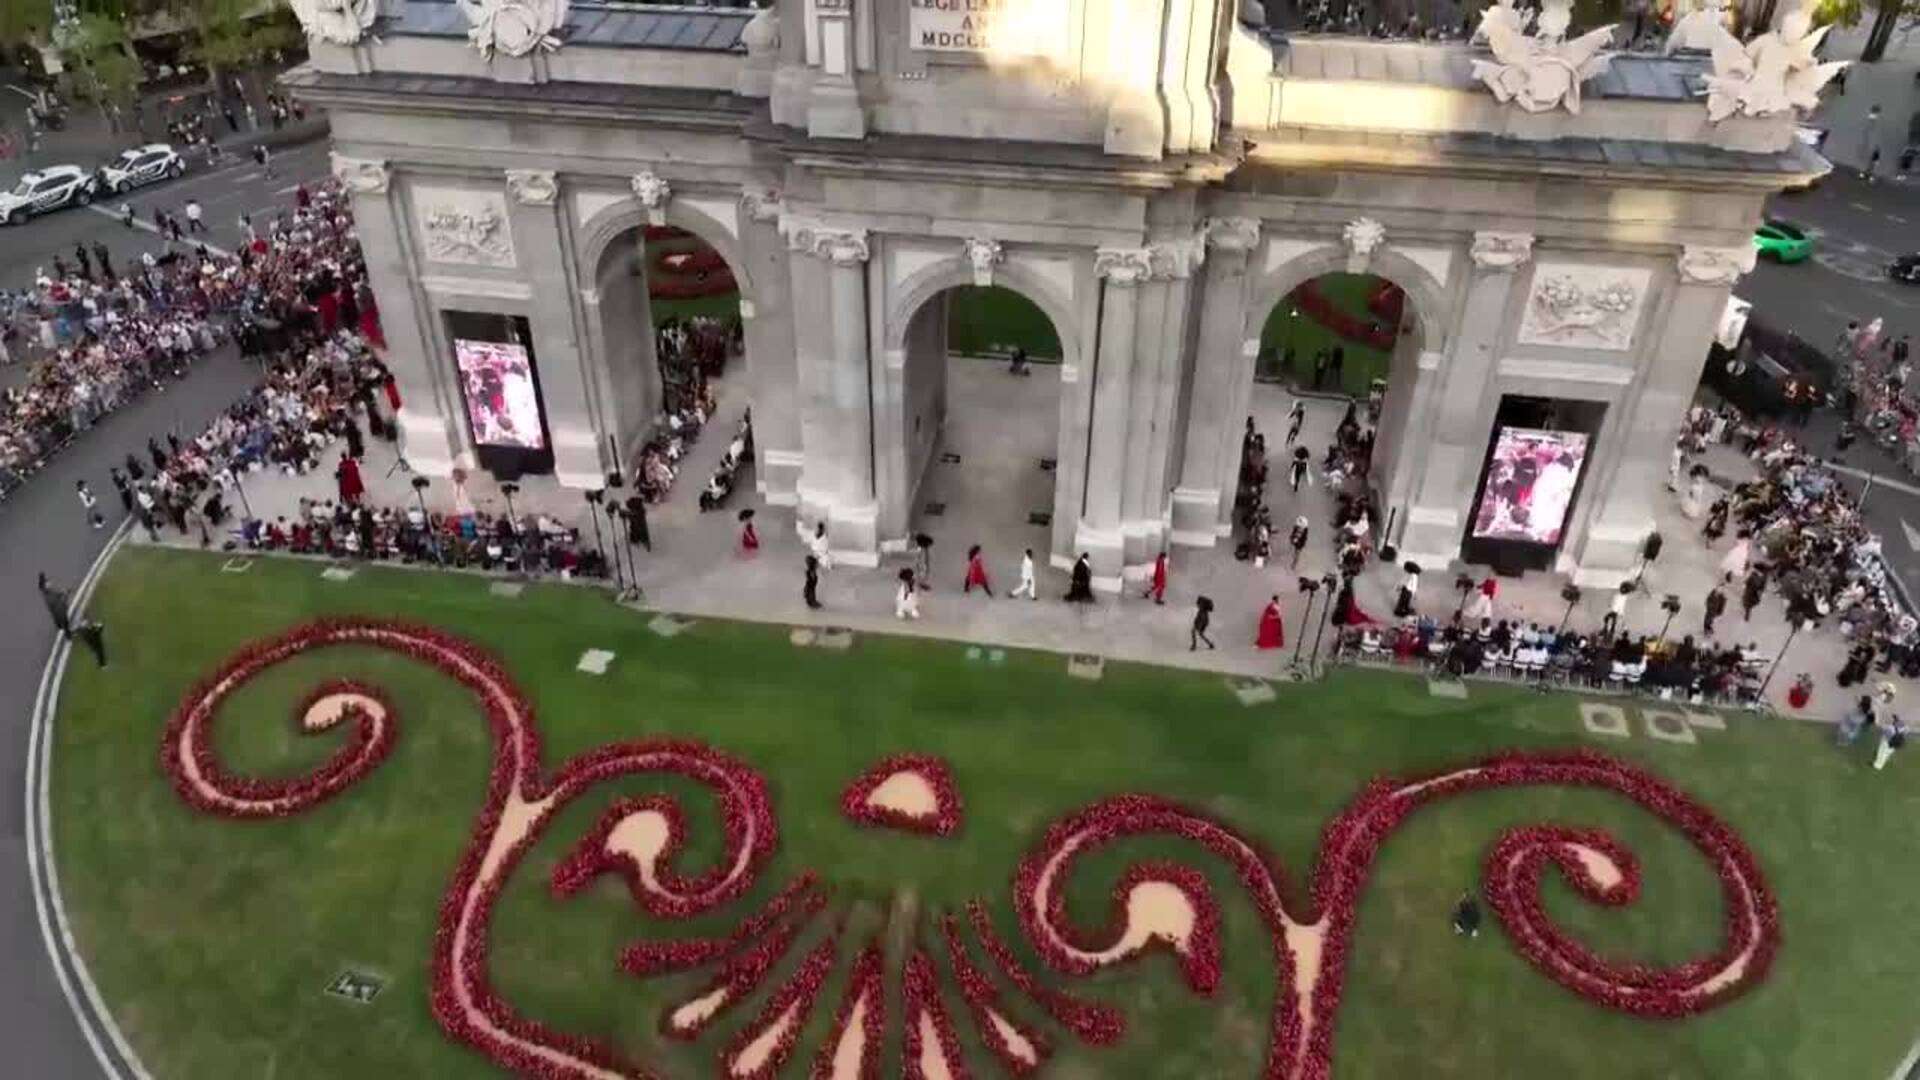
x,y
668,626
1668,726
1252,691
1447,688
236,566
594,661
835,637
1601,718
338,573
802,637
506,589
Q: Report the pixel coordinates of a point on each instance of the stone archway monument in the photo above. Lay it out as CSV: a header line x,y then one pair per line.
x,y
1566,225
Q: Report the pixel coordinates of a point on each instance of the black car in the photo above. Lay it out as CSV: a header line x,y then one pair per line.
x,y
1906,268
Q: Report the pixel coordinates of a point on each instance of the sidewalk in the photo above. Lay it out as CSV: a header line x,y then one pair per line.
x,y
697,569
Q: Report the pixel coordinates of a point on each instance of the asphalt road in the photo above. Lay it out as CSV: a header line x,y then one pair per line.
x,y
42,529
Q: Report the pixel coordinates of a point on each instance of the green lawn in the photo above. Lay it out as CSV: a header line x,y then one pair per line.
x,y
995,319
212,939
1284,329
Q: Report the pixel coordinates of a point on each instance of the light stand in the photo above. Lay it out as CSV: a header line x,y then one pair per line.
x,y
1571,594
1672,607
616,516
511,489
240,489
1464,585
1310,586
426,520
593,514
1328,582
1760,696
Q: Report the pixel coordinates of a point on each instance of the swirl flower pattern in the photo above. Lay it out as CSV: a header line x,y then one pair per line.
x,y
785,943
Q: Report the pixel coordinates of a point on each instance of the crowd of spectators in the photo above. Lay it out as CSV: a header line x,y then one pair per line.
x,y
96,335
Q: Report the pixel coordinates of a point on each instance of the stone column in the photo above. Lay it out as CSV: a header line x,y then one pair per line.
x,y
837,480
430,403
1123,271
573,394
1606,552
767,324
1162,319
1449,419
1218,367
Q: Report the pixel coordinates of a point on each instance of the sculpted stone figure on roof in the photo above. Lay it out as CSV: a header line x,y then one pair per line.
x,y
1774,73
342,22
1544,70
514,27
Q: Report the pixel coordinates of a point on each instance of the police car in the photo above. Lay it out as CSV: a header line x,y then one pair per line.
x,y
47,189
141,165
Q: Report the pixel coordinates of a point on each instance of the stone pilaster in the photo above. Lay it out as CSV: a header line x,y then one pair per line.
x,y
1122,272
1162,321
1606,552
1448,422
574,393
767,325
1209,460
837,481
430,403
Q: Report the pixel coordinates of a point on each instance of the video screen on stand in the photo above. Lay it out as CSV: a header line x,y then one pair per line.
x,y
1529,486
503,403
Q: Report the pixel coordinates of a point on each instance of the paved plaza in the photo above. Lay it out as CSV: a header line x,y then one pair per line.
x,y
1000,427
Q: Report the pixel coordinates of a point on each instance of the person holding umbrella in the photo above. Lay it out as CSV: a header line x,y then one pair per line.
x,y
1409,587
749,537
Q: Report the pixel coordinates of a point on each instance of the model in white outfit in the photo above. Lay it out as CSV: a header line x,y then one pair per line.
x,y
906,600
1026,578
821,549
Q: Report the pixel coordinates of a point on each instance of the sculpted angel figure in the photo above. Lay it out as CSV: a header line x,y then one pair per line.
x,y
1542,71
514,27
342,22
1701,28
1774,73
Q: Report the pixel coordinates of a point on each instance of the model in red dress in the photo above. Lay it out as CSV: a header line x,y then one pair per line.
x,y
1273,633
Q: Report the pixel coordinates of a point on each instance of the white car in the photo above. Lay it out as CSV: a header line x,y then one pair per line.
x,y
47,189
141,165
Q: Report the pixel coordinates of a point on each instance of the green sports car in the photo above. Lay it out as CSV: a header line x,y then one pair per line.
x,y
1782,242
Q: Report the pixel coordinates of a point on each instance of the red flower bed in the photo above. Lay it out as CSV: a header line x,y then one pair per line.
x,y
1314,304
797,996
718,283
745,971
1308,1002
659,957
984,1002
864,983
1094,1023
463,999
920,997
947,813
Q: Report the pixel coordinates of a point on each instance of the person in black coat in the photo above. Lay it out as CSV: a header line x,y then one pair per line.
x,y
811,590
637,526
356,443
1080,583
1715,605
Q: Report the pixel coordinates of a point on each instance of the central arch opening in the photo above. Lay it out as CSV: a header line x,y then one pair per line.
x,y
1334,334
980,392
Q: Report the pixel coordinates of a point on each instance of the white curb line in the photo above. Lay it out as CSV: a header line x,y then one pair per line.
x,y
93,1020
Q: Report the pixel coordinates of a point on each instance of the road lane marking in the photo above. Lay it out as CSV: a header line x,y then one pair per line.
x,y
148,226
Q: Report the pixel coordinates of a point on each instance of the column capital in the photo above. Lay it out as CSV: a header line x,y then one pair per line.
x,y
983,255
1232,233
362,176
763,205
533,187
1123,266
1178,258
1715,265
1501,251
653,191
841,247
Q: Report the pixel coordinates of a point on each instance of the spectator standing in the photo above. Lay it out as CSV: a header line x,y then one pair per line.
x,y
94,636
89,504
56,602
194,224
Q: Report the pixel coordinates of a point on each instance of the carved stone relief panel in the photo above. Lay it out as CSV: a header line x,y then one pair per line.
x,y
458,226
1582,306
